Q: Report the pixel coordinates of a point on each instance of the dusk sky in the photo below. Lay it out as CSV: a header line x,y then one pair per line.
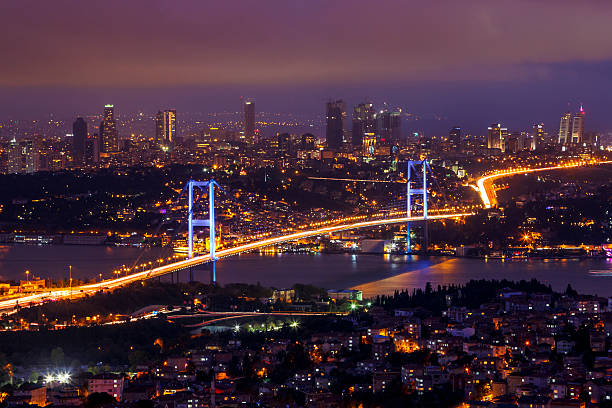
x,y
472,62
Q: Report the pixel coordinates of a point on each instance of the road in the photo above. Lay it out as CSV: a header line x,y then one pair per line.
x,y
485,184
26,300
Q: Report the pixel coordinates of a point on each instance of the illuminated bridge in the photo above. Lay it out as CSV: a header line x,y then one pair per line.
x,y
484,184
88,289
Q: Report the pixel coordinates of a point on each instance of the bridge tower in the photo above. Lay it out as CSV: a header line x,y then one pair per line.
x,y
210,222
413,165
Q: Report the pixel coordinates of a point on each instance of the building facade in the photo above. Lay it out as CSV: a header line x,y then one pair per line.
x,y
109,138
335,113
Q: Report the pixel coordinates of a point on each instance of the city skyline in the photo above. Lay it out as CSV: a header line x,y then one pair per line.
x,y
473,52
311,203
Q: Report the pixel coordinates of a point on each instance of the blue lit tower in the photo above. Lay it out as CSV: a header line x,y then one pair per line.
x,y
410,191
210,222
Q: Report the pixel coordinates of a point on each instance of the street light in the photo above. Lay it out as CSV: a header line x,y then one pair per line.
x,y
27,276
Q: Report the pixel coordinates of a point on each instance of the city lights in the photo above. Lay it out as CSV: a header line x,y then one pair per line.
x,y
61,377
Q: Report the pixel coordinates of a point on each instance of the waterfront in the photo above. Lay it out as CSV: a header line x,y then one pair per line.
x,y
374,274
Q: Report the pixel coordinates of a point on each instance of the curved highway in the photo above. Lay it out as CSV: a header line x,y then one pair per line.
x,y
8,305
487,194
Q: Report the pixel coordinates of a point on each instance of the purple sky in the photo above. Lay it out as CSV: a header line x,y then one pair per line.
x,y
471,61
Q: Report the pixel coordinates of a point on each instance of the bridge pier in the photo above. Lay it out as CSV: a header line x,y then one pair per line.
x,y
410,191
425,235
213,273
210,223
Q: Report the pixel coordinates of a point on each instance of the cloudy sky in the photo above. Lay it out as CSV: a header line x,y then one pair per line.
x,y
471,61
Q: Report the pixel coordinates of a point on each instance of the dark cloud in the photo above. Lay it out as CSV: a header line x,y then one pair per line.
x,y
471,61
147,42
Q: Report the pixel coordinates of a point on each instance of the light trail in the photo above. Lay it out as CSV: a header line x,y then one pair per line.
x,y
88,289
242,315
356,180
487,195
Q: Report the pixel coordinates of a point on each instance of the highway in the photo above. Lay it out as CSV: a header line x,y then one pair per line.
x,y
487,194
484,184
8,305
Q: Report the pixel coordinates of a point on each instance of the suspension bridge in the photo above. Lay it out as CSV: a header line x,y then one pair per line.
x,y
416,186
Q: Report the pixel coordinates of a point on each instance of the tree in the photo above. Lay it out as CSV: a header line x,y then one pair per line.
x,y
57,356
99,399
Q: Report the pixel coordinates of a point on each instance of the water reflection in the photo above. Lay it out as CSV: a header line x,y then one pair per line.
x,y
374,274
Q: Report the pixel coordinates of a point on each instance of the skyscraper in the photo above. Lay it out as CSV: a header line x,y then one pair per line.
x,y
571,127
249,121
497,137
159,128
539,136
565,128
169,127
79,140
578,126
21,157
335,113
389,126
454,137
109,139
92,153
363,122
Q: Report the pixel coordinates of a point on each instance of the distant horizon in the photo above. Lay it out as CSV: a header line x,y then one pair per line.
x,y
432,121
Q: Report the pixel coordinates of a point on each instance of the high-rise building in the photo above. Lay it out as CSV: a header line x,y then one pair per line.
x,y
92,153
539,136
519,141
565,128
284,142
497,137
454,137
79,141
335,113
109,138
159,128
21,157
389,126
249,121
571,127
578,126
169,127
307,142
364,121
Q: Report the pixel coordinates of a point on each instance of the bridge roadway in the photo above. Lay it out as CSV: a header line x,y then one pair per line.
x,y
8,305
485,184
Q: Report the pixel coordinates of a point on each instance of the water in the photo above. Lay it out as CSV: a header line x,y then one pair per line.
x,y
374,274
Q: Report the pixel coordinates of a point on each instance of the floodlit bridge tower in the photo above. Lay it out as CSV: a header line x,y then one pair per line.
x,y
413,169
210,222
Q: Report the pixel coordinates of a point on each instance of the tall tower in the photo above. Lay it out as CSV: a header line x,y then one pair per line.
x,y
454,137
79,140
389,126
497,137
363,122
565,128
335,113
109,139
578,126
539,136
159,128
169,126
249,121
